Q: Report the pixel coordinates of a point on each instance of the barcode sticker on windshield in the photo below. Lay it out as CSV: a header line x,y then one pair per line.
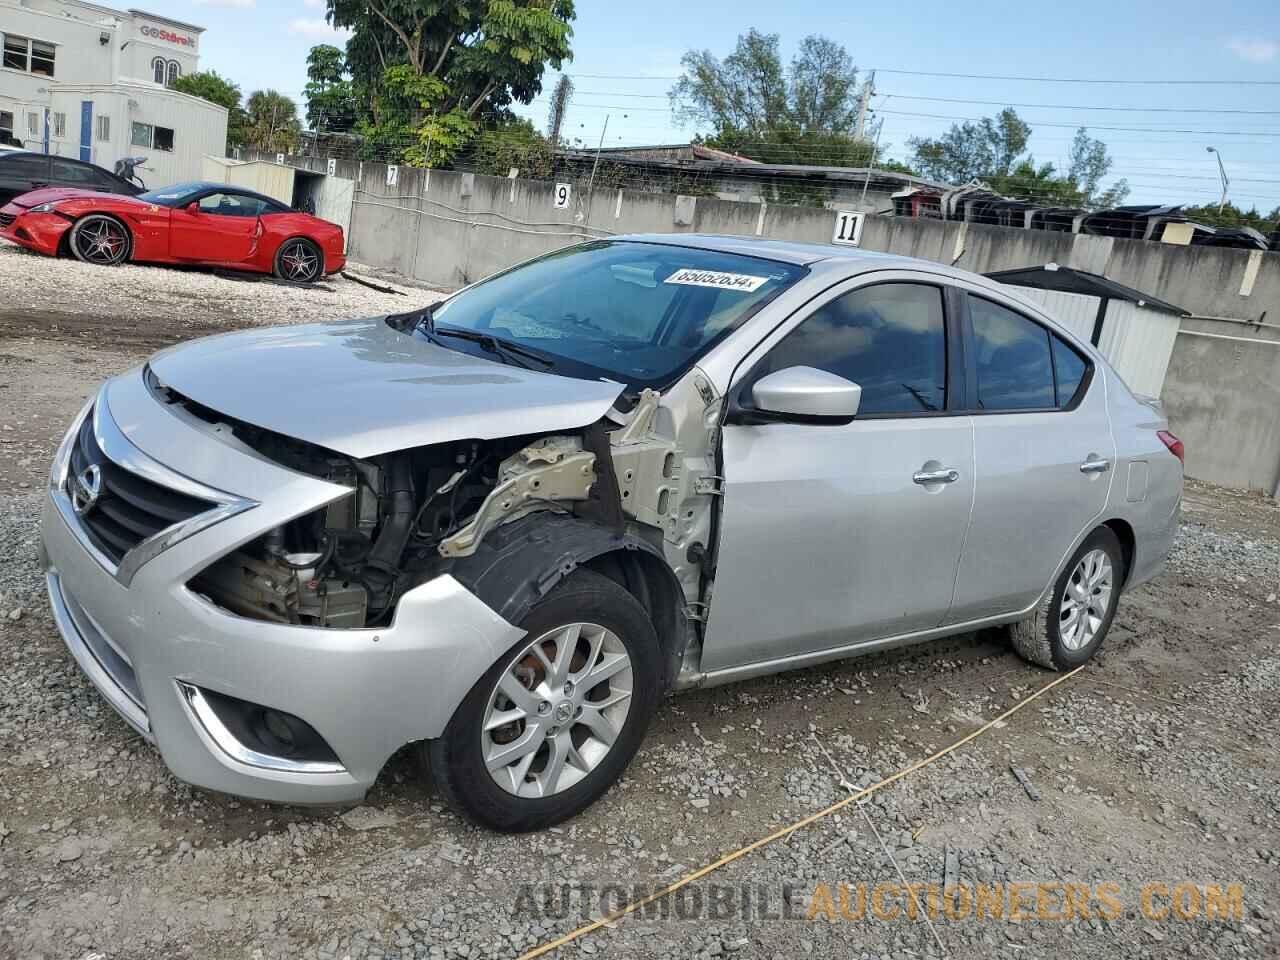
x,y
713,278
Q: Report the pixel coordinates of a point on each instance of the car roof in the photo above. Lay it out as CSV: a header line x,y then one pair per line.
x,y
200,186
784,251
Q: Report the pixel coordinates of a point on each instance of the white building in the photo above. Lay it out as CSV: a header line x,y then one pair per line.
x,y
82,80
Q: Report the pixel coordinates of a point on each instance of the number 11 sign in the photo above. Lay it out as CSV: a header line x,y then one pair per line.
x,y
848,227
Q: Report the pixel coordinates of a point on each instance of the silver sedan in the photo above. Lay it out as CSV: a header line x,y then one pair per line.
x,y
503,526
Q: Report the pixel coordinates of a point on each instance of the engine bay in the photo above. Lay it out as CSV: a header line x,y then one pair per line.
x,y
411,515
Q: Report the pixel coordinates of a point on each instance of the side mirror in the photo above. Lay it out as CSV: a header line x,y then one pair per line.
x,y
807,392
193,207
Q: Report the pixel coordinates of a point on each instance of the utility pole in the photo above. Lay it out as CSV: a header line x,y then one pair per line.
x,y
864,105
874,150
1222,172
592,181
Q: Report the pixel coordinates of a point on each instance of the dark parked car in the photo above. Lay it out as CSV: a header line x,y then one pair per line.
x,y
22,171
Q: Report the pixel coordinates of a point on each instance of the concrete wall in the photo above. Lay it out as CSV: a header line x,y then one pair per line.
x,y
1222,395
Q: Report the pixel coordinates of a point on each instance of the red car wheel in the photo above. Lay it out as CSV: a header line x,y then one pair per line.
x,y
100,239
299,261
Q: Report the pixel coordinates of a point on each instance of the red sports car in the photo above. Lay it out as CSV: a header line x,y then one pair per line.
x,y
203,224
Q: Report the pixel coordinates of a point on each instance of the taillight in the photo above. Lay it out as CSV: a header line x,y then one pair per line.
x,y
1173,443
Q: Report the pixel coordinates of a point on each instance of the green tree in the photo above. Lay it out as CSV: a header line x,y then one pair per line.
x,y
273,124
463,61
1232,216
993,152
970,150
330,97
756,108
560,97
208,85
514,143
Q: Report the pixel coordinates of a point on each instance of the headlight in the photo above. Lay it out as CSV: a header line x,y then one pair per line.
x,y
42,208
62,458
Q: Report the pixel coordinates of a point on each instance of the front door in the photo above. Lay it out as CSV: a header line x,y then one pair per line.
x,y
1044,452
833,534
223,228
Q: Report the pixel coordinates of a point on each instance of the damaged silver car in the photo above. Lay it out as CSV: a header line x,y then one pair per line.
x,y
501,528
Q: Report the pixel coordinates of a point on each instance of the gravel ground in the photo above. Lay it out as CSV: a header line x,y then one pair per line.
x,y
1154,765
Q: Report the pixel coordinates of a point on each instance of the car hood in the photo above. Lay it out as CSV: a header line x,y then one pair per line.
x,y
362,388
50,194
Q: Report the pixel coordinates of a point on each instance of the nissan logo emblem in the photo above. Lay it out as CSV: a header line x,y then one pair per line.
x,y
86,487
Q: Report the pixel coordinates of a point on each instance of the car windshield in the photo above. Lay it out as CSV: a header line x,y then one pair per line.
x,y
171,196
638,313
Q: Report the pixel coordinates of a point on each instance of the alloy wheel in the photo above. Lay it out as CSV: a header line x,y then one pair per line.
x,y
557,709
299,262
100,240
1085,600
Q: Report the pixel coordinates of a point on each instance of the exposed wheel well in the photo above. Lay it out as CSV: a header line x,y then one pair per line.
x,y
1128,542
647,579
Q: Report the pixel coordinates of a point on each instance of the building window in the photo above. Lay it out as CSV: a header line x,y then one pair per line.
x,y
42,58
156,138
104,128
59,125
175,71
157,69
29,56
33,124
6,126
15,52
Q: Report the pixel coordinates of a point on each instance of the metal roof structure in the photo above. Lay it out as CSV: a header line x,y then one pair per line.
x,y
1050,276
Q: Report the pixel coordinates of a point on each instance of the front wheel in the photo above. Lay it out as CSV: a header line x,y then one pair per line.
x,y
299,261
98,238
549,728
1069,625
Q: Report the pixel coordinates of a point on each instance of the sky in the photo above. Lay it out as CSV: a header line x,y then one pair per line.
x,y
627,56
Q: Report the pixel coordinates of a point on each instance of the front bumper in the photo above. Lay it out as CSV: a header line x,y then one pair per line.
x,y
41,232
146,644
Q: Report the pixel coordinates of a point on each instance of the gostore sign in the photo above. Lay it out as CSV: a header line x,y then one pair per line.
x,y
167,35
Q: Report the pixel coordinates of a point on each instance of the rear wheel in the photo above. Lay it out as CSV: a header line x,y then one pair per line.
x,y
98,238
549,728
1069,625
299,261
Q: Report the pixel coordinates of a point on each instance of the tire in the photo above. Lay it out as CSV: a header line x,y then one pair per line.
x,y
100,239
299,261
1070,624
521,794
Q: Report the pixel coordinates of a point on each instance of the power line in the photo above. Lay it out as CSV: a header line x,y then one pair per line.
x,y
1093,80
1077,106
984,76
1047,123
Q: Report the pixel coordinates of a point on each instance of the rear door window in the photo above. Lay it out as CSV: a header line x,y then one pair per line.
x,y
1013,357
1068,370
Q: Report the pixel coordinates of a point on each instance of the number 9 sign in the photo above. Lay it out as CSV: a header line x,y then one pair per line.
x,y
561,196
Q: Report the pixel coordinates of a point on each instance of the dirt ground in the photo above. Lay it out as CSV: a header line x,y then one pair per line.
x,y
1155,771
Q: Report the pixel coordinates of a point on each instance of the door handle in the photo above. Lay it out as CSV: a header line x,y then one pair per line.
x,y
935,476
1095,465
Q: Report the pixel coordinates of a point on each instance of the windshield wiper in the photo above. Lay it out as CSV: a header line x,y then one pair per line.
x,y
504,349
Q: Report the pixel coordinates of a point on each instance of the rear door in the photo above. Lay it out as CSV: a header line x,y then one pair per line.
x,y
21,173
1043,450
223,228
